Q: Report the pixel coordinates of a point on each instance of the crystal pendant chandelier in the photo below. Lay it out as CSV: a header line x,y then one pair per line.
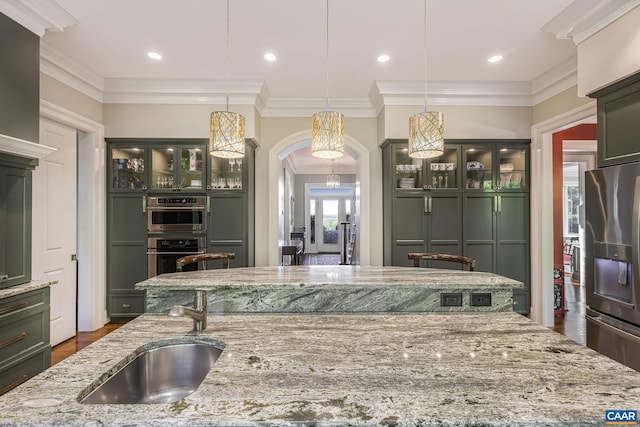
x,y
226,132
327,127
333,180
426,129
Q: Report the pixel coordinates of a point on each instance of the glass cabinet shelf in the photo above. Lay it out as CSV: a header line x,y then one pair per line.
x,y
177,168
226,174
128,168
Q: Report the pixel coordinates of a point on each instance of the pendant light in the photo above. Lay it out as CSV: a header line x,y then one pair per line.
x,y
226,134
327,127
333,180
426,129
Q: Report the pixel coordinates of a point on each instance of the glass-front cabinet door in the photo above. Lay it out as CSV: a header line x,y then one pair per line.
x,y
408,172
512,164
177,168
442,171
127,168
226,174
478,168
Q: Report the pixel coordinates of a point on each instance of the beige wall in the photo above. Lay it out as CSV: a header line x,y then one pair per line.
x,y
611,54
167,121
465,122
567,100
66,97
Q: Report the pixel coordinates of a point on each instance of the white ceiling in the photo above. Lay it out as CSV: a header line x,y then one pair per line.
x,y
107,44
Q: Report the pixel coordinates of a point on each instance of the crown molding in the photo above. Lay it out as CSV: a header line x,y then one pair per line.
x,y
554,81
64,69
38,16
22,148
470,93
582,19
306,107
185,91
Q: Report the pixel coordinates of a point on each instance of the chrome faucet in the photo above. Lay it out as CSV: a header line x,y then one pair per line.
x,y
198,313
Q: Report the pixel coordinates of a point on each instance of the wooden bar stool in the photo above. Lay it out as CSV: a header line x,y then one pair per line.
x,y
224,256
464,260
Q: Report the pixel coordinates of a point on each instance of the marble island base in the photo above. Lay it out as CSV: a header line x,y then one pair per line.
x,y
333,289
458,369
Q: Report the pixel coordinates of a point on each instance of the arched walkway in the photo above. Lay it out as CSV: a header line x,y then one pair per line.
x,y
363,189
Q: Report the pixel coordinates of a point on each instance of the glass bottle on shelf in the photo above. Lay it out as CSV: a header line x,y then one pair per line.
x,y
128,169
442,170
479,173
512,163
162,168
191,163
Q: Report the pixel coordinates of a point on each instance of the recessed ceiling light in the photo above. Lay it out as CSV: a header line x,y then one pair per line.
x,y
154,55
269,56
495,58
384,58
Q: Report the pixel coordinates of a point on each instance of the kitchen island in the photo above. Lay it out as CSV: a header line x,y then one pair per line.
x,y
301,369
333,289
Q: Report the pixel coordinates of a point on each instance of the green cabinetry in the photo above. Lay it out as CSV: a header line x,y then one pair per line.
x,y
139,168
473,201
15,221
24,337
618,124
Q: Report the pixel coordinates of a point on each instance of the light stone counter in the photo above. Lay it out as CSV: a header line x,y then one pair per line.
x,y
496,369
328,289
34,285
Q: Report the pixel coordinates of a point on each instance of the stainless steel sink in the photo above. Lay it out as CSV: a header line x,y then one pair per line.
x,y
159,372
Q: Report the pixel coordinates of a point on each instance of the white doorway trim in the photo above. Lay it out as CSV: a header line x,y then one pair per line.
x,y
363,190
91,237
542,209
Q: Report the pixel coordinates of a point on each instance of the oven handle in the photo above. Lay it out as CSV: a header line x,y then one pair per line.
x,y
176,208
174,253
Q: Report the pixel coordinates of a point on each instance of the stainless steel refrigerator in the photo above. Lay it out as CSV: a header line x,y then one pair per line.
x,y
612,262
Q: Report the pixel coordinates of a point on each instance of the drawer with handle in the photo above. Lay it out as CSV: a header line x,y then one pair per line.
x,y
23,332
19,371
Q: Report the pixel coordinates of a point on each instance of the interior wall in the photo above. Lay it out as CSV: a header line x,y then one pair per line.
x,y
462,122
566,100
70,99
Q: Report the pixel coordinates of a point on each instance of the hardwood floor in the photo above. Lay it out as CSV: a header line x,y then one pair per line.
x,y
80,341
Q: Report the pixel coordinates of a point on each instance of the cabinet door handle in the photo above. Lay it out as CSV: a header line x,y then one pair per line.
x,y
495,203
208,205
16,307
144,204
499,203
427,204
13,340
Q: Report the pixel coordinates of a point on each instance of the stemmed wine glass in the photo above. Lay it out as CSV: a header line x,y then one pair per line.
x,y
232,163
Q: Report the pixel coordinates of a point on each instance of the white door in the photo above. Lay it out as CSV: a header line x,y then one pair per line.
x,y
54,226
328,225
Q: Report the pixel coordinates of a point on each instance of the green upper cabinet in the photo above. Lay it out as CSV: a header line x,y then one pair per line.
x,y
618,124
177,167
15,225
496,166
127,170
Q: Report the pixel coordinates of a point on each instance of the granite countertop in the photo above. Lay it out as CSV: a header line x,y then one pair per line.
x,y
327,276
329,289
34,285
430,369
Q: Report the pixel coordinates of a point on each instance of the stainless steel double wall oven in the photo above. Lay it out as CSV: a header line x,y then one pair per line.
x,y
176,227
